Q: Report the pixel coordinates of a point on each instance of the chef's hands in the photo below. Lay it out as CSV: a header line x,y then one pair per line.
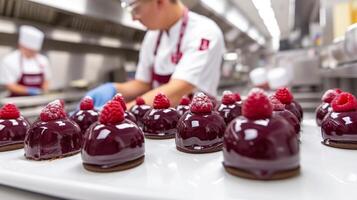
x,y
32,91
102,94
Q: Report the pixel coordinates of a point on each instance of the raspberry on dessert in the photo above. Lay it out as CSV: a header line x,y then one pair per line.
x,y
161,101
201,104
284,95
87,103
257,105
344,102
112,113
9,111
329,95
229,99
185,101
139,101
237,95
277,105
119,97
53,111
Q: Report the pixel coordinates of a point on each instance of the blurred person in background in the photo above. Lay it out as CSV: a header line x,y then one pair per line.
x,y
181,53
25,72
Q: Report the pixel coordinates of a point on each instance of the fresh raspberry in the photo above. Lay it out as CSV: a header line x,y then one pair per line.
x,y
111,113
87,103
161,101
257,105
329,95
139,101
277,105
119,97
201,103
185,101
9,111
284,95
53,111
229,99
237,95
344,102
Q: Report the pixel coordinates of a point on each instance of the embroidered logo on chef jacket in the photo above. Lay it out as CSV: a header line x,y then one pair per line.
x,y
204,44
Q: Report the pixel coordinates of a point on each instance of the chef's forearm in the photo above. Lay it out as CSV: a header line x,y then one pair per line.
x,y
131,89
174,90
45,86
16,88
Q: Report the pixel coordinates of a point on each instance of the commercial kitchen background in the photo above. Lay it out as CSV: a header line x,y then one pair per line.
x,y
90,42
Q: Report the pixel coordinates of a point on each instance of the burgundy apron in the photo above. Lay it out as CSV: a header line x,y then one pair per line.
x,y
30,80
158,79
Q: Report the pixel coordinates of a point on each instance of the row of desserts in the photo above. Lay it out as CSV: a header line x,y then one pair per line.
x,y
337,116
262,143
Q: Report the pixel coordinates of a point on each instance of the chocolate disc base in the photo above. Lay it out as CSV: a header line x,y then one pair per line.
x,y
276,176
121,167
206,150
12,147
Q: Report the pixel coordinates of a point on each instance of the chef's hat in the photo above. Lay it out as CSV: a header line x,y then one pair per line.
x,y
278,77
258,76
31,37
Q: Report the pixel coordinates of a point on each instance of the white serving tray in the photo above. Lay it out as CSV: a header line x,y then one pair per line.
x,y
327,173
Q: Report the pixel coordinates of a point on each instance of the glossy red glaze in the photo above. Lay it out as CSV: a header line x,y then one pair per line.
x,y
294,109
130,116
299,108
160,122
53,139
321,112
230,112
107,146
139,111
85,118
182,109
291,118
340,127
261,147
13,131
200,132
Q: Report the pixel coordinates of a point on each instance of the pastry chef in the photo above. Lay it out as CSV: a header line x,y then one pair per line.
x,y
181,53
25,72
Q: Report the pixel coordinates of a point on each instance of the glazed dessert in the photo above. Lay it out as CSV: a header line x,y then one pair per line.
x,y
285,96
53,135
13,128
128,115
86,115
299,108
280,111
160,122
183,107
339,127
259,146
114,143
201,130
230,107
325,107
139,110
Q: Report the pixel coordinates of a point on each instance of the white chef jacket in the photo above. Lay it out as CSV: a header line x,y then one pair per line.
x,y
10,69
202,47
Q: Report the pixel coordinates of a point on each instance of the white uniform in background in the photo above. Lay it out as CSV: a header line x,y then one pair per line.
x,y
15,68
191,50
10,70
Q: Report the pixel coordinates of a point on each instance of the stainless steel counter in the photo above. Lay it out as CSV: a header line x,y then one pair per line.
x,y
344,71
